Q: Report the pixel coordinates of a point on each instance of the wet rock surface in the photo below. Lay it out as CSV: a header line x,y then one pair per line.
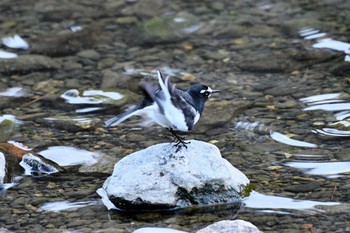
x,y
252,51
161,177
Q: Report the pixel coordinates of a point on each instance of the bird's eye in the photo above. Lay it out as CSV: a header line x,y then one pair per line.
x,y
206,93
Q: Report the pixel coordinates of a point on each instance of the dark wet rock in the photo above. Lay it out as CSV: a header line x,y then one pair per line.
x,y
165,29
268,62
341,70
111,79
113,5
71,124
258,148
106,63
308,187
230,226
343,154
66,43
226,109
283,89
312,56
89,54
28,63
160,178
145,8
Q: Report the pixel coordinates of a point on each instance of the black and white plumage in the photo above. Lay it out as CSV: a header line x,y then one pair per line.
x,y
168,106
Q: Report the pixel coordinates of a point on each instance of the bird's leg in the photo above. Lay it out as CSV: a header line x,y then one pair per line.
x,y
179,141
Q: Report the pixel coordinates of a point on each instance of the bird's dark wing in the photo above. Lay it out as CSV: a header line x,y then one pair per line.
x,y
152,91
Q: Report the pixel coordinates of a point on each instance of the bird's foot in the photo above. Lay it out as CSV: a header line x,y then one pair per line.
x,y
179,141
180,144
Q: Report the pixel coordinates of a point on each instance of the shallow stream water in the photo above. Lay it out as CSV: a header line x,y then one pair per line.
x,y
282,116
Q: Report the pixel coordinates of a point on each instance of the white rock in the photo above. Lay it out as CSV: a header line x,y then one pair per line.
x,y
160,176
157,230
230,226
2,168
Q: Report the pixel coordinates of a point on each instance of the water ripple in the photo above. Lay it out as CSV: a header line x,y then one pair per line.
x,y
337,103
262,201
66,205
327,169
289,141
323,42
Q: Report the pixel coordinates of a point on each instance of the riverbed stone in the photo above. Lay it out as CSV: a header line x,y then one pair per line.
x,y
230,226
161,176
224,226
28,63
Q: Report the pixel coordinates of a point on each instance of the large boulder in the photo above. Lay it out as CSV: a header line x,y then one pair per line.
x,y
160,177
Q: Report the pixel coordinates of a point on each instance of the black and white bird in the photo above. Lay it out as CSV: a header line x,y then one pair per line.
x,y
168,106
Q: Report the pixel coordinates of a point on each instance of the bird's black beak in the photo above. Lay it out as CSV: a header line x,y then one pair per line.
x,y
215,91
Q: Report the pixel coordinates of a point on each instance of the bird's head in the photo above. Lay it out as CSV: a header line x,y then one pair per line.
x,y
202,91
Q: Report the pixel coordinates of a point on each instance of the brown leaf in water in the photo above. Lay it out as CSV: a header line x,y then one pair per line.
x,y
11,149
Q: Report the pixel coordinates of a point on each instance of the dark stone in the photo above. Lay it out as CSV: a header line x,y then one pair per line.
x,y
27,64
302,188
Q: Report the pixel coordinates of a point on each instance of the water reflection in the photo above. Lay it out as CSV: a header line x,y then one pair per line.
x,y
328,169
90,96
13,91
311,33
15,42
332,132
333,102
246,125
66,205
262,201
36,166
68,156
7,55
289,141
322,42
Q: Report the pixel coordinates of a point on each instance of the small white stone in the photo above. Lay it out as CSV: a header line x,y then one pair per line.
x,y
157,230
230,226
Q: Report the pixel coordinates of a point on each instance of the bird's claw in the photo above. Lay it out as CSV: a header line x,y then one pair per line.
x,y
179,144
179,141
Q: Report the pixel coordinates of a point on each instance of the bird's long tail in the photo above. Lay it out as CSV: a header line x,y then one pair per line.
x,y
121,117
